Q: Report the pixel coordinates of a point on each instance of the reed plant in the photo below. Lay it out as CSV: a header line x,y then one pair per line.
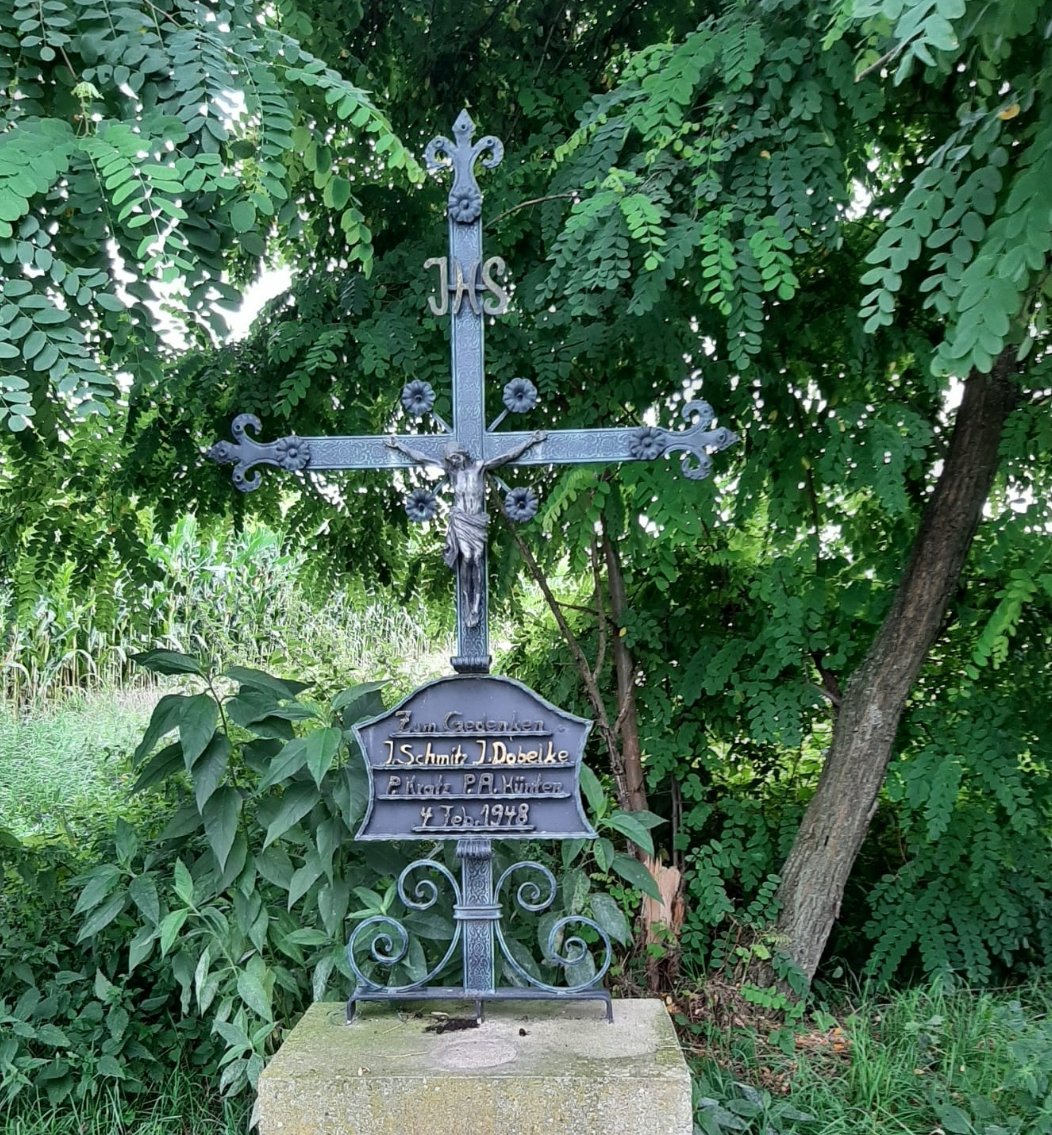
x,y
234,595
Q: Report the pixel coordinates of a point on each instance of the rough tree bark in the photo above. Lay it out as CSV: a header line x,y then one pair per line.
x,y
839,814
627,724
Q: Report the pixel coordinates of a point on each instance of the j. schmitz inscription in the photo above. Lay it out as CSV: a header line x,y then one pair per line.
x,y
473,755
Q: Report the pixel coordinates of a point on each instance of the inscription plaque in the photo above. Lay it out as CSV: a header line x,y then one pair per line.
x,y
471,756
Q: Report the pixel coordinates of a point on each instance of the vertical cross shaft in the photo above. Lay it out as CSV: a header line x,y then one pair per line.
x,y
470,450
467,333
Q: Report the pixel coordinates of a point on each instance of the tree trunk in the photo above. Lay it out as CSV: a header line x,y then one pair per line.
x,y
839,814
627,724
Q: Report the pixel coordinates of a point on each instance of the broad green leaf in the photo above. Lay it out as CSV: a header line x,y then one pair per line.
x,y
171,924
582,971
953,1119
635,873
143,892
183,882
288,762
304,878
251,705
250,986
603,850
220,815
103,915
259,680
295,804
197,725
53,1036
322,746
571,848
575,887
526,961
593,790
160,766
210,768
186,821
127,842
351,791
275,866
358,702
169,662
99,883
166,716
611,918
628,825
242,216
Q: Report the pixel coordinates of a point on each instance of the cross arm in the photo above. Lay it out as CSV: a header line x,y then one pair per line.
x,y
611,446
294,453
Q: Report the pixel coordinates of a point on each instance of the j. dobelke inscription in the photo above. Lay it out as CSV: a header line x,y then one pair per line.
x,y
474,755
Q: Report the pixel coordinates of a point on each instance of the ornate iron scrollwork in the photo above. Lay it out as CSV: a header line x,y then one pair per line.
x,y
477,912
291,453
465,197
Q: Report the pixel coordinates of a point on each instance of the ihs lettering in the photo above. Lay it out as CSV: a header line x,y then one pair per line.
x,y
478,278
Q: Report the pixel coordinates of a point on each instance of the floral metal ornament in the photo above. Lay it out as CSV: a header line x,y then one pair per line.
x,y
647,443
293,453
418,397
421,505
520,396
521,505
465,197
465,205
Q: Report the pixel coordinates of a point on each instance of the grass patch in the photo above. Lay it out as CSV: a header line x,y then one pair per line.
x,y
932,1059
65,768
187,1106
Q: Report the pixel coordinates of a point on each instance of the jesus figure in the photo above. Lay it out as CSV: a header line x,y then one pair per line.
x,y
468,521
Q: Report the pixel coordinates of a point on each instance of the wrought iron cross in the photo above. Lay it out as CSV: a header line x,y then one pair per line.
x,y
469,450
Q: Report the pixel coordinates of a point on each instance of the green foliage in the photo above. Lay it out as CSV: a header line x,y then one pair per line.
x,y
171,145
196,588
218,908
927,1058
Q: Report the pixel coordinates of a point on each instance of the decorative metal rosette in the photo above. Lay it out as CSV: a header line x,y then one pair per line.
x,y
421,505
418,397
521,505
520,396
465,205
647,443
292,453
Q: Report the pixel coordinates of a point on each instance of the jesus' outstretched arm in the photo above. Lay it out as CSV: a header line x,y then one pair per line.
x,y
413,454
514,454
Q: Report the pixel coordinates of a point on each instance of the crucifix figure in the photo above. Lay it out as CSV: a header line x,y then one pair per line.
x,y
469,449
468,529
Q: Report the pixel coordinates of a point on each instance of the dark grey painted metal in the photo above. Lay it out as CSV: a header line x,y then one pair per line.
x,y
696,443
477,912
474,755
552,802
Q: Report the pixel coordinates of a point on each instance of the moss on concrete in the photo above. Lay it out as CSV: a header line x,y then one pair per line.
x,y
530,1068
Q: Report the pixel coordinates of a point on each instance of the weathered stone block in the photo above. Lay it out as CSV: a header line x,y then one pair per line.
x,y
532,1068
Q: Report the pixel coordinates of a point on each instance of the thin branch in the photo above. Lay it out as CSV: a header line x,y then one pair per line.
x,y
600,653
887,57
590,685
532,201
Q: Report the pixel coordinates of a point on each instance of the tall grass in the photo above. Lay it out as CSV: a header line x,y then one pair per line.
x,y
931,1060
65,768
187,1106
235,596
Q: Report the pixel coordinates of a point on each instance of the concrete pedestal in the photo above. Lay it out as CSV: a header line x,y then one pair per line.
x,y
530,1069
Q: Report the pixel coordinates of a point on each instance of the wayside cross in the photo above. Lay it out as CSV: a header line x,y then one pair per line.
x,y
469,449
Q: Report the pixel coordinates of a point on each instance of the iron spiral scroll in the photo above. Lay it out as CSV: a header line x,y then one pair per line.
x,y
478,934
